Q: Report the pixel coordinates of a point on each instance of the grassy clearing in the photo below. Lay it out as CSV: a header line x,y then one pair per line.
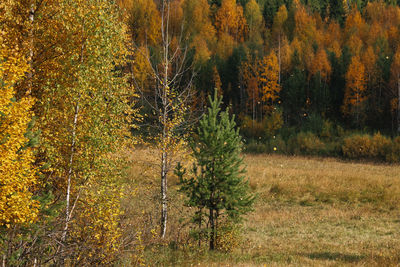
x,y
310,212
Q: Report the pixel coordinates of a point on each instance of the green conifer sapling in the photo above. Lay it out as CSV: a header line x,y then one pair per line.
x,y
216,183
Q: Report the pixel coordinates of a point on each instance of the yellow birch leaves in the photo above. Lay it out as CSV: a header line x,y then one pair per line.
x,y
16,172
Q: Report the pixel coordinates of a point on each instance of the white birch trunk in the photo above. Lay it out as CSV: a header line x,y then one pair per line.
x,y
71,159
164,141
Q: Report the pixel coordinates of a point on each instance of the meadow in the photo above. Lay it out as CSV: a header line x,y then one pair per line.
x,y
309,212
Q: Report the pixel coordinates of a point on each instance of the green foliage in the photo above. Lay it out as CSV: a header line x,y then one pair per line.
x,y
294,95
272,123
254,147
313,123
252,128
216,183
394,154
277,145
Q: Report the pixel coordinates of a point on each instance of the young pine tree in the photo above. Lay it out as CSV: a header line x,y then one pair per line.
x,y
216,183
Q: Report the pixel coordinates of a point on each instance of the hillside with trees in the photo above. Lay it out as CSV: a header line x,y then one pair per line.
x,y
112,149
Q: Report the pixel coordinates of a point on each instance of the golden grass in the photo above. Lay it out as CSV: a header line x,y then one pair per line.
x,y
309,212
324,212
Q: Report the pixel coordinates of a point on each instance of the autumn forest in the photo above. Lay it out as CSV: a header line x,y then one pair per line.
x,y
126,126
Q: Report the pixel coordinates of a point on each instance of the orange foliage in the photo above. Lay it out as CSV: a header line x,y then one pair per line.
x,y
369,60
333,38
355,30
321,65
217,81
269,71
354,96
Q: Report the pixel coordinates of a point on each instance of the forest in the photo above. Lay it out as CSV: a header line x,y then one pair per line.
x,y
126,126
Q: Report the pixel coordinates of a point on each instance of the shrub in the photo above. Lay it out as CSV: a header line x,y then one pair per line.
x,y
394,154
340,131
256,148
305,143
313,123
365,146
381,146
333,149
252,128
357,146
229,236
277,145
287,132
327,130
272,123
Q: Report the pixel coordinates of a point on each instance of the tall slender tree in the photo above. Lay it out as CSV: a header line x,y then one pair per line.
x,y
395,84
354,97
269,80
168,98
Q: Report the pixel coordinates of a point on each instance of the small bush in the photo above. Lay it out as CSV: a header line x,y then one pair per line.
x,y
272,123
394,153
256,148
381,146
306,144
327,130
277,145
340,131
252,128
228,237
313,123
367,147
333,149
357,146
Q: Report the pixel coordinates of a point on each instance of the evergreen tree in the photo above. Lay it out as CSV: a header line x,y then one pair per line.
x,y
216,183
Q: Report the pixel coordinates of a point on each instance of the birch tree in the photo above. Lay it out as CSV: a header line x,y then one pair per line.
x,y
168,99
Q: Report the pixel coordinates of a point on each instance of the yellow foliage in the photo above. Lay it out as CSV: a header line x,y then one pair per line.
x,y
230,20
96,226
17,174
143,20
269,80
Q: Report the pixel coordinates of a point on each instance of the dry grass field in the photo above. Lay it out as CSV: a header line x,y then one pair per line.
x,y
309,212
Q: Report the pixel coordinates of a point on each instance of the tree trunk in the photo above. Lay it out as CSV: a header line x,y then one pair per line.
x,y
212,226
357,111
279,58
31,42
71,159
165,128
164,203
398,103
200,217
